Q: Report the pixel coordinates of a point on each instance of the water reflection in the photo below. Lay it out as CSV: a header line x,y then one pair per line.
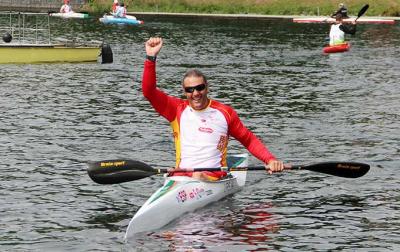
x,y
257,224
209,230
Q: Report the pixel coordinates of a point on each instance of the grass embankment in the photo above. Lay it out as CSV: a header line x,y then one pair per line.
x,y
265,7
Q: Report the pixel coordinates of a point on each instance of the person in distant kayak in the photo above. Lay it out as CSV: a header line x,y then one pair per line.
x,y
201,126
114,6
342,10
338,31
121,11
66,8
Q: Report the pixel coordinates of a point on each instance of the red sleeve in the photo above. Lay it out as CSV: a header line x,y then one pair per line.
x,y
164,104
248,139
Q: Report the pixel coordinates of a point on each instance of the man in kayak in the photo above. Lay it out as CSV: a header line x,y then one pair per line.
x,y
114,7
66,8
342,10
338,30
201,126
121,11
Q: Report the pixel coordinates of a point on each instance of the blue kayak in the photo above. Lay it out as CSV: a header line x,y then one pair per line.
x,y
129,20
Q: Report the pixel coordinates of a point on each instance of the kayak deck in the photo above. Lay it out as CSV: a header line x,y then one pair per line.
x,y
179,195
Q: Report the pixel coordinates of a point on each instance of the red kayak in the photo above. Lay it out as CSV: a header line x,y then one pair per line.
x,y
337,48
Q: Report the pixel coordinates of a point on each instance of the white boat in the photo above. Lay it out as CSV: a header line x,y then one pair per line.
x,y
180,195
365,20
70,15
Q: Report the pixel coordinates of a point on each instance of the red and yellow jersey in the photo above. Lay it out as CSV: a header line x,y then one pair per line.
x,y
201,137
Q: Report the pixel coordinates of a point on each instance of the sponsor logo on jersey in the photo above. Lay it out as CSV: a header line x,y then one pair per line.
x,y
206,130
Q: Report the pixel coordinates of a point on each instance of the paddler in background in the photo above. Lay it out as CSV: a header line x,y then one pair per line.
x,y
66,8
338,30
342,10
114,7
121,11
201,126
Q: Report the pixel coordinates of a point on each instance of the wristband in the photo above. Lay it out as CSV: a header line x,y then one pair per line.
x,y
151,58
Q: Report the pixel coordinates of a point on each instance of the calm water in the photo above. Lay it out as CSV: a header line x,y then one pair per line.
x,y
306,106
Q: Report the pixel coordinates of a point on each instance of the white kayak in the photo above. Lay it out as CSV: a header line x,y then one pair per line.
x,y
181,194
332,20
70,15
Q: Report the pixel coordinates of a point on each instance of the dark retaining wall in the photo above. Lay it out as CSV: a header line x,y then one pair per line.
x,y
38,5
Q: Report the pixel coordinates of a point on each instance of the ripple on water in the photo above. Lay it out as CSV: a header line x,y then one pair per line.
x,y
306,106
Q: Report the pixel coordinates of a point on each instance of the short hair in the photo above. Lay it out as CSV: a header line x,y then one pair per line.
x,y
194,73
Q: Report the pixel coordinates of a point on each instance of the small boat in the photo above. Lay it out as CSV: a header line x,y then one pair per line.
x,y
52,53
128,20
26,41
70,15
337,48
332,20
181,194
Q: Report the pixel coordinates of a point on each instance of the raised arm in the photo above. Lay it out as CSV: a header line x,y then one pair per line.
x,y
164,104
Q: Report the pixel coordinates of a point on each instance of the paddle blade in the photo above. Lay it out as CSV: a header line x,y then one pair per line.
x,y
362,11
118,171
341,169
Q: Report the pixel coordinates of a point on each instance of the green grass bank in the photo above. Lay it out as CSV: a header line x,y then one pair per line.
x,y
264,7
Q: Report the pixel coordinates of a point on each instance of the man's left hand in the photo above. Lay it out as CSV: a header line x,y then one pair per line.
x,y
274,166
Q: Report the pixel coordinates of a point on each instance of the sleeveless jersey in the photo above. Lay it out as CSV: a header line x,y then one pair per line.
x,y
336,35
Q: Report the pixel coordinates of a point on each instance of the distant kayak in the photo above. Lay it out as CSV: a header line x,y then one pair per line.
x,y
337,48
129,20
332,20
70,15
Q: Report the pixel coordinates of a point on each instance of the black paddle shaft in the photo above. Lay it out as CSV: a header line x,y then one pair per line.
x,y
124,170
362,11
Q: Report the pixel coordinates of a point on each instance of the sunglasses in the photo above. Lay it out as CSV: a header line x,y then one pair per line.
x,y
199,88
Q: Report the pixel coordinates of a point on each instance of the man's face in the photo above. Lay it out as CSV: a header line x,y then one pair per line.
x,y
196,91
